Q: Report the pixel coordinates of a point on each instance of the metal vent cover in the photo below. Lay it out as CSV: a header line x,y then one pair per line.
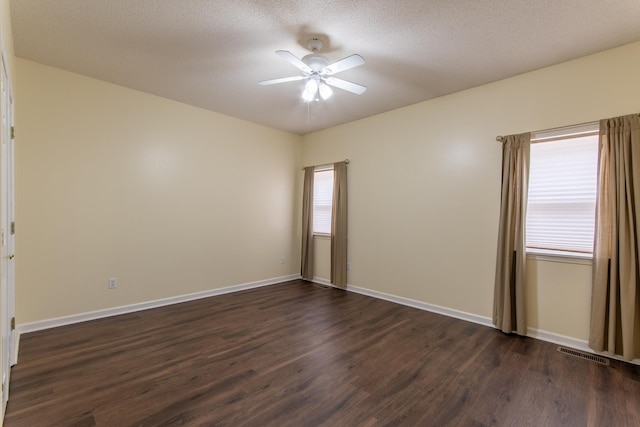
x,y
584,355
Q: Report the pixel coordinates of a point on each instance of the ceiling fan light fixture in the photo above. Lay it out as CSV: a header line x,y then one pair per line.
x,y
310,90
325,91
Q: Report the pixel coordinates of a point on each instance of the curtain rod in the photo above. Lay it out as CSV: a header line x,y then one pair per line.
x,y
500,138
346,162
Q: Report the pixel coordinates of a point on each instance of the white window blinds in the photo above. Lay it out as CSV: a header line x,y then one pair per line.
x,y
562,192
322,201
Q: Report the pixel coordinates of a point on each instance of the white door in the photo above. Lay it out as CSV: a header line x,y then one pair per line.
x,y
11,236
6,236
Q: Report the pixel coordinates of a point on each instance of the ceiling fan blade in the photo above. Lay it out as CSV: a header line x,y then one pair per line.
x,y
345,85
282,80
343,65
294,60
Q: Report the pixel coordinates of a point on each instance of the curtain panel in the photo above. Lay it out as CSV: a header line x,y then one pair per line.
x,y
339,219
306,268
509,305
615,300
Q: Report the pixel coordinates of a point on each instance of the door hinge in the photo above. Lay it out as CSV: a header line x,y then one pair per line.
x,y
13,132
13,323
13,227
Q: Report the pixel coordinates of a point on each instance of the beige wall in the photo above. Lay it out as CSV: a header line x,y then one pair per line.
x,y
322,257
424,186
559,297
169,199
7,35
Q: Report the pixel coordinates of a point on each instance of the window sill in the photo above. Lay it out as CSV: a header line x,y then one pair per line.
x,y
322,236
560,256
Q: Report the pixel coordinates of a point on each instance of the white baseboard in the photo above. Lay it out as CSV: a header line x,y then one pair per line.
x,y
15,347
574,343
538,334
559,339
469,317
321,281
99,314
457,314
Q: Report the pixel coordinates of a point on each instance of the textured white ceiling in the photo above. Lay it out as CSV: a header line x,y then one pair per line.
x,y
212,53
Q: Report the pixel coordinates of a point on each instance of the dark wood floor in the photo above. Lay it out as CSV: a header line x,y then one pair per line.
x,y
295,354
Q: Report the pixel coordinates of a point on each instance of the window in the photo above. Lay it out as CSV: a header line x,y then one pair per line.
x,y
322,200
562,191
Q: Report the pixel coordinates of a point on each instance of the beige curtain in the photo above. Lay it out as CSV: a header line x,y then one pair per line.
x,y
339,226
509,312
615,299
306,269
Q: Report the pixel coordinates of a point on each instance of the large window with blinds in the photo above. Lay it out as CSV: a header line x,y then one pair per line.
x,y
322,200
562,191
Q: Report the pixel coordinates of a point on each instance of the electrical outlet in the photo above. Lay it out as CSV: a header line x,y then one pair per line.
x,y
113,283
281,260
348,266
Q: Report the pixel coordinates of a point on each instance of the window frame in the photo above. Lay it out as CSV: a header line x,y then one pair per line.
x,y
558,134
323,168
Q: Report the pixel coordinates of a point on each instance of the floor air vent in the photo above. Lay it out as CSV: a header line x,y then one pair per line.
x,y
587,356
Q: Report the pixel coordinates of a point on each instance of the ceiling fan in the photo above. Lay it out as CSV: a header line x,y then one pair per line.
x,y
319,73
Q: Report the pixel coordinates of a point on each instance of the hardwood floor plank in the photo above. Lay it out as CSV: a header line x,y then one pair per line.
x,y
295,354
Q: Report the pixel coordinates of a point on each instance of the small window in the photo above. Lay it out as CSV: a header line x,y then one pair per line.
x,y
562,191
322,200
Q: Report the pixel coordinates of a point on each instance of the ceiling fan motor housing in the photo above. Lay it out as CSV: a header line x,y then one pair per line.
x,y
315,61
